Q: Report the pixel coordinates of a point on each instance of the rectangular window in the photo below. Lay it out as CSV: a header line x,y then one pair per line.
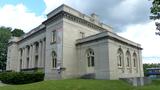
x,y
54,63
36,61
36,47
27,66
28,50
53,36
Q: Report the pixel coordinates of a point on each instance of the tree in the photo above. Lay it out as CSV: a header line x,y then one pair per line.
x,y
5,34
17,32
145,66
155,11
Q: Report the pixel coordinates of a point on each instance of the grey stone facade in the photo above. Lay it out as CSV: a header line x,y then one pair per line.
x,y
70,44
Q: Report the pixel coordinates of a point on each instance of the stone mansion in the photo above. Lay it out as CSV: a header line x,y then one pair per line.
x,y
70,44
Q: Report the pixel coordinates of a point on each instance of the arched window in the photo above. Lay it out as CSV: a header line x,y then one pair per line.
x,y
90,58
128,58
54,59
120,57
134,59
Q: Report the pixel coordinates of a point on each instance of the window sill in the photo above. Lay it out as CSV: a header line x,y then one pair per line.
x,y
90,66
134,67
120,67
54,68
128,67
53,42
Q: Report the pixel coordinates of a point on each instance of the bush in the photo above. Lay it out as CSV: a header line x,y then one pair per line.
x,y
21,77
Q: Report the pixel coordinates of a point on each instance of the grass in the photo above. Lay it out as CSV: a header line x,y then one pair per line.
x,y
80,84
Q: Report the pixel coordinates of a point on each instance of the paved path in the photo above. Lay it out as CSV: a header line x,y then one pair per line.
x,y
1,84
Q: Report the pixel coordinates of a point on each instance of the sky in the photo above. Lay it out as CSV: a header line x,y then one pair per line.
x,y
129,18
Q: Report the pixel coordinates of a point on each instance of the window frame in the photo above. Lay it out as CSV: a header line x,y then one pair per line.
x,y
128,59
135,60
36,61
54,60
90,58
120,58
53,36
27,64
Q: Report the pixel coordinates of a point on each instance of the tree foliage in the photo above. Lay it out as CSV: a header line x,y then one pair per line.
x,y
155,11
145,66
5,35
17,32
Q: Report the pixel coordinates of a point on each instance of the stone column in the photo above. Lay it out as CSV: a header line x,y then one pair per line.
x,y
44,55
19,58
125,63
41,65
39,54
30,57
24,58
42,60
33,55
140,64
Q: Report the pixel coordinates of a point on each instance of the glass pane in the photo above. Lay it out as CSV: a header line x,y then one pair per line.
x,y
134,62
55,62
127,61
88,61
92,61
120,61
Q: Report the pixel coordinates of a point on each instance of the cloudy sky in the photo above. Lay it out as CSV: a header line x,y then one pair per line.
x,y
129,18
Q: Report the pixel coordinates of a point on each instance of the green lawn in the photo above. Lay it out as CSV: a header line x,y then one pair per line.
x,y
80,84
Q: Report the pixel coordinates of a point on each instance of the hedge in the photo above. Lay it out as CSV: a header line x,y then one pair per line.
x,y
21,77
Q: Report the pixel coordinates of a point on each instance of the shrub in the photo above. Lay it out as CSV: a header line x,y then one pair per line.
x,y
21,77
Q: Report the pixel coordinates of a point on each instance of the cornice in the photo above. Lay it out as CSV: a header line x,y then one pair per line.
x,y
73,18
107,37
31,35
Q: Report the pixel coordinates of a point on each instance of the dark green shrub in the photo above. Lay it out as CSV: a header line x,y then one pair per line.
x,y
21,77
